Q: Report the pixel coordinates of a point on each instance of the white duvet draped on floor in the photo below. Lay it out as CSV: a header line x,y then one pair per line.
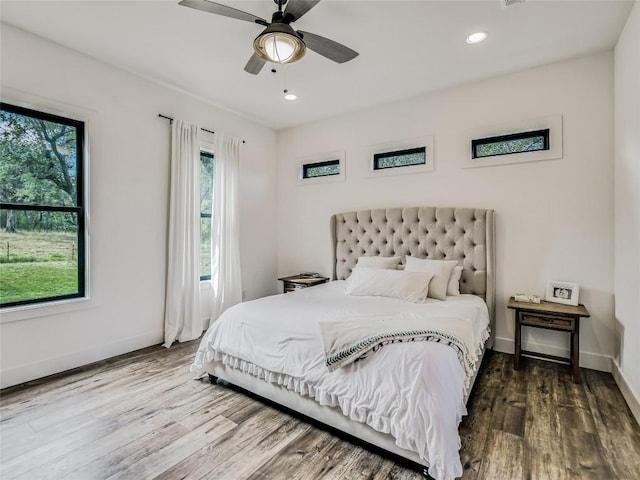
x,y
413,391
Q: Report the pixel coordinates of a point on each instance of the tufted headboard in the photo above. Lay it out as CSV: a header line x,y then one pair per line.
x,y
463,234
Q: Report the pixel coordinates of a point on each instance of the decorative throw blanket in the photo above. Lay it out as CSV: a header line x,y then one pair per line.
x,y
347,341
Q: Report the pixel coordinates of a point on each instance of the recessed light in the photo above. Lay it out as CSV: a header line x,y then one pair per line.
x,y
290,96
476,37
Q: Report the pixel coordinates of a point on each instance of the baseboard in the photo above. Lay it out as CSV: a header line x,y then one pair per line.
x,y
595,361
31,371
632,398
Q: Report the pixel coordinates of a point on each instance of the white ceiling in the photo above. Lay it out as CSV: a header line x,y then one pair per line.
x,y
406,47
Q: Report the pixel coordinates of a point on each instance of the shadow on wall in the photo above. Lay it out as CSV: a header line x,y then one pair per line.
x,y
618,344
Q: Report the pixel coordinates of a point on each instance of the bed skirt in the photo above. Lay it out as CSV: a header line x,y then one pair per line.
x,y
331,417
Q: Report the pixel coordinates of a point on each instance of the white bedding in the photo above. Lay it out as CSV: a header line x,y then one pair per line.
x,y
413,391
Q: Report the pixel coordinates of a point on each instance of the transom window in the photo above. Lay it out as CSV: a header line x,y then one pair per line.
x,y
42,210
206,210
321,169
522,142
400,158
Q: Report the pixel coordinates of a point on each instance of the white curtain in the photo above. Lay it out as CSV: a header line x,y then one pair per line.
x,y
182,320
226,279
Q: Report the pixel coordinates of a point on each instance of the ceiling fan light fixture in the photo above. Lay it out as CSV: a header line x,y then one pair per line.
x,y
278,45
279,42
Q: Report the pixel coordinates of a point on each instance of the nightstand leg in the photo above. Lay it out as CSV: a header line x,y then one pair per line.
x,y
575,353
518,333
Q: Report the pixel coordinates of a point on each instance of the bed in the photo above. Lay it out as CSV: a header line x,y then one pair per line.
x,y
405,399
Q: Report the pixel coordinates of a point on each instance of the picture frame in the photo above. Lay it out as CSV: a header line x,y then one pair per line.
x,y
562,292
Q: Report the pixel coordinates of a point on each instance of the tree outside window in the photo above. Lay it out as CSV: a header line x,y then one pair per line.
x,y
41,207
206,209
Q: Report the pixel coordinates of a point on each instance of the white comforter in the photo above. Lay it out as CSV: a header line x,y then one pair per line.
x,y
413,391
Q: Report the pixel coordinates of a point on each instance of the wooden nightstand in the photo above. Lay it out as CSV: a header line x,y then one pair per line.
x,y
298,282
552,316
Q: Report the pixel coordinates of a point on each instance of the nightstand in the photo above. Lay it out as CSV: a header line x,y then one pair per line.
x,y
298,282
551,316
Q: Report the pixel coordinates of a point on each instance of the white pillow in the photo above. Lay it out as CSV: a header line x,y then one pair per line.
x,y
409,286
441,270
454,282
388,263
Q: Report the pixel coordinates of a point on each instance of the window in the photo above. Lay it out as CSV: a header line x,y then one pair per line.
x,y
522,142
408,156
516,141
206,204
321,169
400,158
42,209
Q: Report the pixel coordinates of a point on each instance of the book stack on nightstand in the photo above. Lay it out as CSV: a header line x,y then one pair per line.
x,y
302,280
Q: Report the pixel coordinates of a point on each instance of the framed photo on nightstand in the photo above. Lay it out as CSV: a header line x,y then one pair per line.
x,y
562,292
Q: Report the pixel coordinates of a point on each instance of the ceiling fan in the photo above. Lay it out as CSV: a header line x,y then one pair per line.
x,y
279,42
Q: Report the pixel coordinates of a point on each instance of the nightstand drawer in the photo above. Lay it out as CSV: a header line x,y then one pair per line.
x,y
292,287
547,321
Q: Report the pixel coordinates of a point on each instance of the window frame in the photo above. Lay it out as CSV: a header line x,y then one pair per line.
x,y
544,133
397,153
209,154
551,122
399,145
79,208
324,163
313,160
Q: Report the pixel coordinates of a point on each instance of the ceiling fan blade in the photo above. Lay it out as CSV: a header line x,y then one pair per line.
x,y
297,8
223,10
255,64
328,48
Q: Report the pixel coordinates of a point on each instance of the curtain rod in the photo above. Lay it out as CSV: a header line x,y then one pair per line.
x,y
203,129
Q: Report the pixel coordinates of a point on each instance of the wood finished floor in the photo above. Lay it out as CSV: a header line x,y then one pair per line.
x,y
140,416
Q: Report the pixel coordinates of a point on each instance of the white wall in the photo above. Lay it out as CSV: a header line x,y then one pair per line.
x,y
627,210
129,168
554,218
